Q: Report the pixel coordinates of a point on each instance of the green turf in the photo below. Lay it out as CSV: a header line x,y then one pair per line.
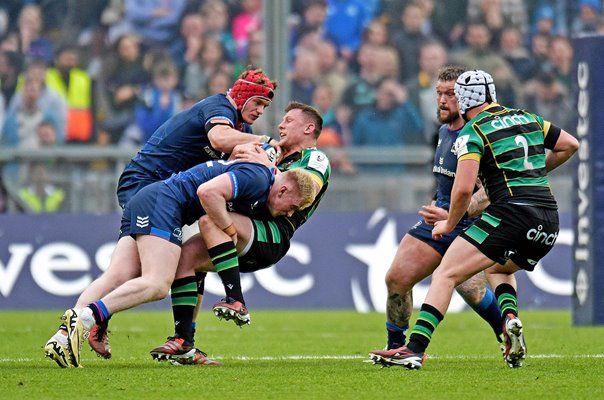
x,y
305,355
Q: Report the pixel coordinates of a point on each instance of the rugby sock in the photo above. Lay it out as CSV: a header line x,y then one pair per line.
x,y
506,297
396,335
488,309
225,261
99,311
184,299
421,334
201,281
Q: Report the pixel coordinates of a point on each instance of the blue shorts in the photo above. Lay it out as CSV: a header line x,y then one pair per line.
x,y
154,210
423,231
130,183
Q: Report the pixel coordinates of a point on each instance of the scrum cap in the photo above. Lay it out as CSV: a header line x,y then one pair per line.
x,y
474,88
252,83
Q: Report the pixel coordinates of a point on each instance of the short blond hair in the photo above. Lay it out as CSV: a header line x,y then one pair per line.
x,y
304,183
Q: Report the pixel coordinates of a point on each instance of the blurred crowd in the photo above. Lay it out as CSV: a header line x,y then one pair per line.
x,y
112,71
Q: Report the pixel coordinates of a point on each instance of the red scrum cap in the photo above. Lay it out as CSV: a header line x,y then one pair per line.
x,y
252,83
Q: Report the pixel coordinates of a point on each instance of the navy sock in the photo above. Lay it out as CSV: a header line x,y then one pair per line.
x,y
396,335
488,309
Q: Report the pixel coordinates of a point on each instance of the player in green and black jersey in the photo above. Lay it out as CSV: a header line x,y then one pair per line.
x,y
506,148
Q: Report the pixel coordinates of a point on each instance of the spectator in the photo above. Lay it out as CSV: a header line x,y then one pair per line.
x,y
587,18
544,20
421,88
548,98
332,71
33,44
49,100
158,103
314,15
344,25
387,62
448,21
220,82
155,21
247,21
216,20
209,61
75,85
561,60
255,52
185,49
408,39
22,121
40,195
10,66
480,55
540,44
306,68
122,78
377,33
517,56
323,101
497,14
391,121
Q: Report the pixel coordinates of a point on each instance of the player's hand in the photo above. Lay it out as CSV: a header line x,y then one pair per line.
x,y
251,152
440,229
431,214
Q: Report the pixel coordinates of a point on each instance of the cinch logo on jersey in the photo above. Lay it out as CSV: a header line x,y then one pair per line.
x,y
537,235
509,120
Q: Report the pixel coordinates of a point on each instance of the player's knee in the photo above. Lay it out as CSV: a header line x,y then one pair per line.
x,y
205,222
396,280
158,290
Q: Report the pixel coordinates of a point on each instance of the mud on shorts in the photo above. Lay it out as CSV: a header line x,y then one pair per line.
x,y
268,245
521,233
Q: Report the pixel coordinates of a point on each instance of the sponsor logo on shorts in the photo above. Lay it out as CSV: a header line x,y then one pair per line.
x,y
177,233
142,222
539,236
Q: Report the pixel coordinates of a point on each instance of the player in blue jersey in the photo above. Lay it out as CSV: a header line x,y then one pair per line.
x,y
418,254
520,225
261,242
153,218
208,130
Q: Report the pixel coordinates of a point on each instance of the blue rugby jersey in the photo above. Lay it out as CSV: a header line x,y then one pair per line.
x,y
182,141
251,185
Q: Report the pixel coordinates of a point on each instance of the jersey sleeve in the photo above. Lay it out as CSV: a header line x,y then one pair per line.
x,y
551,133
218,112
250,182
317,163
468,145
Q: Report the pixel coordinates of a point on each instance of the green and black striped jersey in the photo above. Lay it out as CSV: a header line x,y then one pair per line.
x,y
510,146
317,163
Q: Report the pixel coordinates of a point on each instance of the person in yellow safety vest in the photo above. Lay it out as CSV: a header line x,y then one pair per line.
x,y
75,85
41,196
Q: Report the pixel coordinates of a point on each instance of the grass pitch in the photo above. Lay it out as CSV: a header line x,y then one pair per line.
x,y
304,355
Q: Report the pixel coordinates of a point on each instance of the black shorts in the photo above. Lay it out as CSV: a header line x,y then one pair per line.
x,y
521,233
269,245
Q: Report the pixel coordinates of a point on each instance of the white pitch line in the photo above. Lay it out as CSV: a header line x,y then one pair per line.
x,y
356,357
